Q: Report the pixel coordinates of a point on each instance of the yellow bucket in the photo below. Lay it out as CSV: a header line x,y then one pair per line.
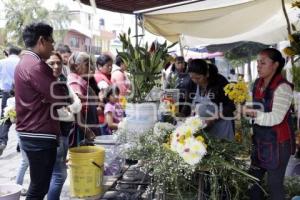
x,y
86,170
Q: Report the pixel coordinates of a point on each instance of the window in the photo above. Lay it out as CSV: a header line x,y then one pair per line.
x,y
74,42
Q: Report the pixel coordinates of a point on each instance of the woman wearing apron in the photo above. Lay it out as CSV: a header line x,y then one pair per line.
x,y
208,99
273,139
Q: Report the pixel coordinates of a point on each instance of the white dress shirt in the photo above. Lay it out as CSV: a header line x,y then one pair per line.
x,y
7,70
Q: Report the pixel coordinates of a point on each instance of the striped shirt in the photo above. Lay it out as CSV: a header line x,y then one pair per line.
x,y
282,101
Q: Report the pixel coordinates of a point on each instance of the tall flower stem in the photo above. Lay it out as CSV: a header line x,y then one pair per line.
x,y
288,26
286,18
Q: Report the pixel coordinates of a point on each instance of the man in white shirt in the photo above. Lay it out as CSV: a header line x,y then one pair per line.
x,y
7,70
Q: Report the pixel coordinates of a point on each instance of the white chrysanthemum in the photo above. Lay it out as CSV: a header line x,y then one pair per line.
x,y
193,152
176,146
161,128
194,123
182,130
178,135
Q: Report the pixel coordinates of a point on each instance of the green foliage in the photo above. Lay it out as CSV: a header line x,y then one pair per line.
x,y
144,66
295,70
221,169
227,168
292,186
20,13
244,52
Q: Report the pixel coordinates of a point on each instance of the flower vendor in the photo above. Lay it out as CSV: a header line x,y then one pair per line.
x,y
178,78
207,97
273,139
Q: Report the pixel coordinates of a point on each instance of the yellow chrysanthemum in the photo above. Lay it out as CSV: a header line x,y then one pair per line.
x,y
296,4
238,137
200,138
289,51
123,101
181,139
188,133
291,38
237,92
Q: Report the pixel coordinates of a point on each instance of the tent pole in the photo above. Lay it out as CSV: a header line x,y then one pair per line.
x,y
286,17
180,45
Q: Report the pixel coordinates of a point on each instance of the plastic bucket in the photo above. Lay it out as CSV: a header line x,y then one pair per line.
x,y
86,170
10,191
140,117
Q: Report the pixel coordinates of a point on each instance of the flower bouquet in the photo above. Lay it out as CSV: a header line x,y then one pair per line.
x,y
183,158
239,94
9,113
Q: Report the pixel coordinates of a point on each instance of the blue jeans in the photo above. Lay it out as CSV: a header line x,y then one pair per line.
x,y
59,173
22,168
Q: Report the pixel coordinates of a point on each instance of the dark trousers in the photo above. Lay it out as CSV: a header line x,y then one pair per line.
x,y
41,165
5,96
4,128
275,177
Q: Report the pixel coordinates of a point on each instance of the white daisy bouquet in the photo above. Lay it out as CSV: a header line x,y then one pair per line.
x,y
175,156
9,111
184,141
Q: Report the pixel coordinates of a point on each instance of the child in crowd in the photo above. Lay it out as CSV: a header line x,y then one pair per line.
x,y
113,110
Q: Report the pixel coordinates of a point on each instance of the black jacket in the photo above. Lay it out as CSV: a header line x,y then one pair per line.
x,y
216,88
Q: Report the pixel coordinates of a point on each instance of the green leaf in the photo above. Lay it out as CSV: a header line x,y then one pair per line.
x,y
172,45
129,31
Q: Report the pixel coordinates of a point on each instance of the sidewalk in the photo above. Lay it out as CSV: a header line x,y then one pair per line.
x,y
9,162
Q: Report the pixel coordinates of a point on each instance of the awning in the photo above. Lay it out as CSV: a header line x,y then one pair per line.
x,y
129,6
222,21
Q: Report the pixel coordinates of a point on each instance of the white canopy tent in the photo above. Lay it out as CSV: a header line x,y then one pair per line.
x,y
222,21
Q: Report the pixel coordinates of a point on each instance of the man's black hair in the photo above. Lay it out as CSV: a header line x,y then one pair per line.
x,y
63,48
32,33
13,50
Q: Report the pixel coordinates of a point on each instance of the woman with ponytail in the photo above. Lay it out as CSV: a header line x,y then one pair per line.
x,y
273,137
207,98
